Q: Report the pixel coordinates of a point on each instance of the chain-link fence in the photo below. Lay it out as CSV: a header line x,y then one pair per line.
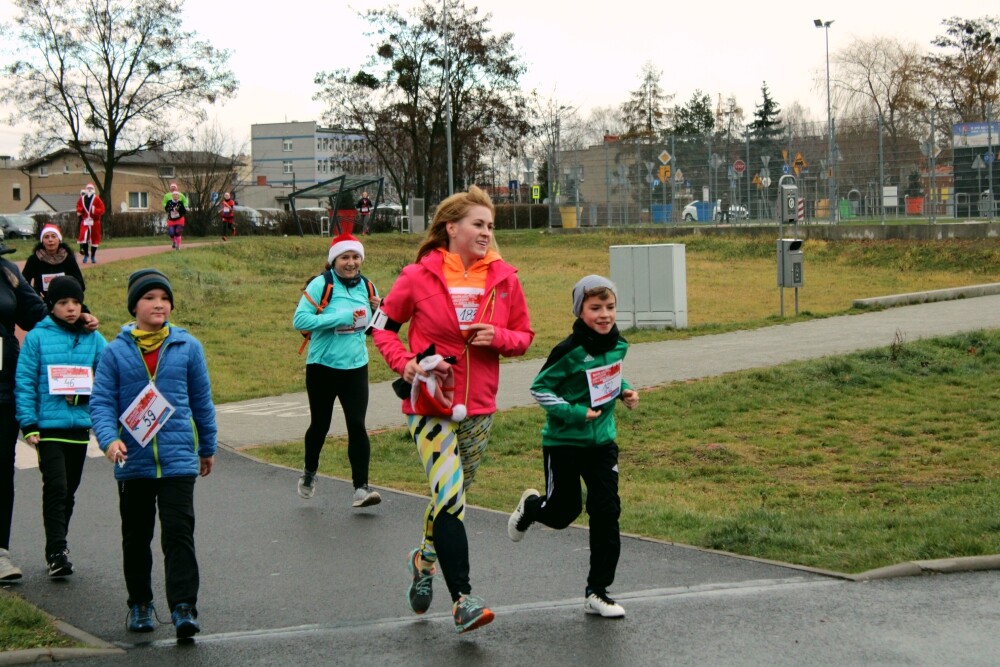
x,y
853,169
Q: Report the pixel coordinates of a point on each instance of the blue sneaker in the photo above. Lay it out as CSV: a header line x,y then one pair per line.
x,y
420,592
84,259
183,617
140,617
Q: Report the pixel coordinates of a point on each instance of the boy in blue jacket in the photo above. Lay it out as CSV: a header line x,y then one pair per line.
x,y
578,387
55,375
154,418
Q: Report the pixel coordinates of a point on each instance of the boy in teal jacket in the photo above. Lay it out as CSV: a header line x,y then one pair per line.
x,y
577,387
55,374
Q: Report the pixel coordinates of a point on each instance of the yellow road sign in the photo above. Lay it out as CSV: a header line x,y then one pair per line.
x,y
799,161
664,173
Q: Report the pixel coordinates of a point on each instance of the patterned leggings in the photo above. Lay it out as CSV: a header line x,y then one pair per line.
x,y
451,453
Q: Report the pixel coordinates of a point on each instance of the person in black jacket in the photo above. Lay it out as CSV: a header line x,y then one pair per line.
x,y
50,259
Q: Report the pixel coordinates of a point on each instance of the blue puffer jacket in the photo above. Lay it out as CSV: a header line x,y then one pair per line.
x,y
182,377
49,344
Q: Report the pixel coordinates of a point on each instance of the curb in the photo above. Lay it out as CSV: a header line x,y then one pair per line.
x,y
95,648
928,296
915,568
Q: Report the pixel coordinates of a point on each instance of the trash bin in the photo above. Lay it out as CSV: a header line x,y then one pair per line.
x,y
662,212
704,209
846,210
568,214
914,206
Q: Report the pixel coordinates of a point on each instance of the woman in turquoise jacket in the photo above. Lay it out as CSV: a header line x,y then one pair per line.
x,y
335,310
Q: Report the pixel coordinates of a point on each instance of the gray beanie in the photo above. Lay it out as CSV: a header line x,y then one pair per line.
x,y
144,280
588,283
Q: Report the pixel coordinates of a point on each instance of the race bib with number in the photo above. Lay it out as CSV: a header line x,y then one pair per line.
x,y
47,278
226,210
466,302
605,383
70,380
147,414
88,222
359,325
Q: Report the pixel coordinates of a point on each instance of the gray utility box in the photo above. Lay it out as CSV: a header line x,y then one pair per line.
x,y
652,285
790,263
417,220
788,199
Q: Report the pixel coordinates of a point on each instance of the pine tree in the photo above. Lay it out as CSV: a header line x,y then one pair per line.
x,y
767,129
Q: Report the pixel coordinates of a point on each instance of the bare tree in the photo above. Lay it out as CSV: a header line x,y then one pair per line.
x,y
964,76
102,77
879,76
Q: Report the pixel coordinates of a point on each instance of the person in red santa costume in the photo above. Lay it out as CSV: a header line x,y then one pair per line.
x,y
89,210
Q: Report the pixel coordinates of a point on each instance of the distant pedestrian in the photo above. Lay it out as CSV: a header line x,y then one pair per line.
x,y
55,376
170,195
724,207
175,219
89,210
228,216
461,300
50,259
336,307
365,208
577,387
154,419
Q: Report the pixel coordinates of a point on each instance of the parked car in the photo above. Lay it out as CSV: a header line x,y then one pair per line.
x,y
17,226
736,212
251,215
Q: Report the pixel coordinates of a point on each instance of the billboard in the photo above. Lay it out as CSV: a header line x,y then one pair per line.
x,y
971,135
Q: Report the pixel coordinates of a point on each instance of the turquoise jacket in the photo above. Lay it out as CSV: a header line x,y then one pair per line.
x,y
49,344
336,342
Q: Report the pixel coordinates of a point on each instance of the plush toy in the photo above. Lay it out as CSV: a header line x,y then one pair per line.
x,y
433,395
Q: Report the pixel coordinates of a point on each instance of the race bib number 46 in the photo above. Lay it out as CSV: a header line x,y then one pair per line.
x,y
70,380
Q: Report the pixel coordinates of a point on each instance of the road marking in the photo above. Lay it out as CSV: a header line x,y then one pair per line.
x,y
347,627
292,409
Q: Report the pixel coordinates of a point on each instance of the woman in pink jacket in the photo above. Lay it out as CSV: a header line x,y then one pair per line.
x,y
463,299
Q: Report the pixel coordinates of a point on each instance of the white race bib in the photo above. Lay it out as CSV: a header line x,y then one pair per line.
x,y
70,380
605,383
47,278
147,414
359,325
88,222
466,302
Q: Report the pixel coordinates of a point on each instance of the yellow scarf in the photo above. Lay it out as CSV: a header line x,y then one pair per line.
x,y
149,341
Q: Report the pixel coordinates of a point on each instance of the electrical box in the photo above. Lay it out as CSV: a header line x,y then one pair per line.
x,y
790,263
788,200
652,285
418,221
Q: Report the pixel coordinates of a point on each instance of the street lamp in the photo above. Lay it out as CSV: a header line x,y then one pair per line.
x,y
819,23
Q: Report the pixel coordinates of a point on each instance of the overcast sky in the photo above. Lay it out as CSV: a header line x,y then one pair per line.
x,y
583,53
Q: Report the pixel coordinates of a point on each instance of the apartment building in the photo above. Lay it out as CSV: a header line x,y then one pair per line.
x,y
302,154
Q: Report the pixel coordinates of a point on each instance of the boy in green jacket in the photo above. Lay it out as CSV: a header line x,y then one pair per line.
x,y
578,387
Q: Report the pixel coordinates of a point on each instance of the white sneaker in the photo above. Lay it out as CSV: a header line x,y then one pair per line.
x,y
600,604
515,531
8,571
307,485
365,497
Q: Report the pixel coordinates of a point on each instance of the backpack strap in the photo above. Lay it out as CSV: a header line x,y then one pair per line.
x,y
320,307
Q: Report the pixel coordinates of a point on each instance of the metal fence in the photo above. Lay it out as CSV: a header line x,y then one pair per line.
x,y
871,170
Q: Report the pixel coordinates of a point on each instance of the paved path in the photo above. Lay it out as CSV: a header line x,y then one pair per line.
x,y
293,582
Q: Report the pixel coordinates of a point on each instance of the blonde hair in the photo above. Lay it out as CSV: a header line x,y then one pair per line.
x,y
452,209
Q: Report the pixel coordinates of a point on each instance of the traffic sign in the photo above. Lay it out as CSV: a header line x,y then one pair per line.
x,y
536,192
665,157
664,173
766,182
765,159
739,166
988,157
978,163
715,161
756,180
785,169
799,161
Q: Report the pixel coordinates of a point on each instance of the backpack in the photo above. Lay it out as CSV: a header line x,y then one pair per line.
x,y
325,300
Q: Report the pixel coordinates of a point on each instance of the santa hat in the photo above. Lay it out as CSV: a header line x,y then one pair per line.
x,y
433,395
49,228
173,187
344,243
89,186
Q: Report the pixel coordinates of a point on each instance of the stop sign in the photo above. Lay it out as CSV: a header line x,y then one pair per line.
x,y
739,166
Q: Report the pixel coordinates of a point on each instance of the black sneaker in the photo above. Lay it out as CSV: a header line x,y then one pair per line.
x,y
307,485
420,592
59,565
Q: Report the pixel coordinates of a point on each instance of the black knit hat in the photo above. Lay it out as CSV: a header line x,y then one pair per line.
x,y
144,280
63,287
